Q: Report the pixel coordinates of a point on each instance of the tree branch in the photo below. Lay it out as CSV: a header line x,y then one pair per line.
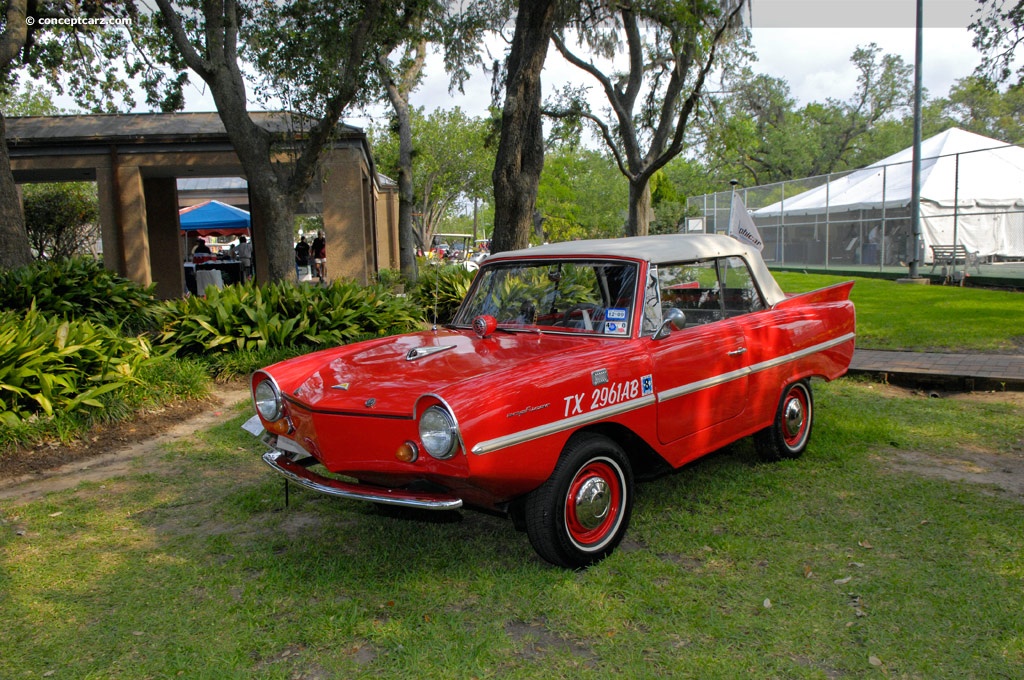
x,y
12,41
188,52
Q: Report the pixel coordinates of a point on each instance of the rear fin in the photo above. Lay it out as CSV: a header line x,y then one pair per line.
x,y
836,293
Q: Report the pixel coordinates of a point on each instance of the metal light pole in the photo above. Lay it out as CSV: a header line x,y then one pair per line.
x,y
915,195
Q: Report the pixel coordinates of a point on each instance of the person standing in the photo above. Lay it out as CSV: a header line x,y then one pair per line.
x,y
319,250
301,256
243,251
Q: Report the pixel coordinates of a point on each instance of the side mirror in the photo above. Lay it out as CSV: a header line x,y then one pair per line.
x,y
673,318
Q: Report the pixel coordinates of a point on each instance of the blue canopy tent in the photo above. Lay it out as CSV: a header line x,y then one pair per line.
x,y
213,218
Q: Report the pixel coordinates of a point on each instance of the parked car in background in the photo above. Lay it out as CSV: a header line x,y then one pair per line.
x,y
569,370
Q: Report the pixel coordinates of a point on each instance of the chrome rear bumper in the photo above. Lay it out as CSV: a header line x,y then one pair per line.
x,y
280,462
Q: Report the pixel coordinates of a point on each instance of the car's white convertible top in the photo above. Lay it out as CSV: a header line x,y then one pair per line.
x,y
661,249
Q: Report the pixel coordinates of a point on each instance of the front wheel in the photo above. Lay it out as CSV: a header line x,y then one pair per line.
x,y
791,430
580,514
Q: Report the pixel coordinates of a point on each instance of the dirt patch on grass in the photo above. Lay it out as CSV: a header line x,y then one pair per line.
x,y
1001,471
108,451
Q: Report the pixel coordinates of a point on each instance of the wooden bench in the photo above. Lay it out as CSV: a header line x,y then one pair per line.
x,y
951,255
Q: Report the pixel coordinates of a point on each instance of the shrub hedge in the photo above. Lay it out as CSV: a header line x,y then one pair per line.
x,y
49,364
80,288
248,317
441,288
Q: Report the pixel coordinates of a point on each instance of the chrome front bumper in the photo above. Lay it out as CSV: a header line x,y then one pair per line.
x,y
283,463
280,462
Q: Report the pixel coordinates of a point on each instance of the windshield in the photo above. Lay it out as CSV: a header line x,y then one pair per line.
x,y
577,296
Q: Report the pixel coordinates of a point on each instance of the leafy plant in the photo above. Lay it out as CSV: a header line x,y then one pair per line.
x,y
48,364
440,290
80,287
249,317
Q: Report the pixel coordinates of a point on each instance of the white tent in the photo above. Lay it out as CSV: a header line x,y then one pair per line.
x,y
972,193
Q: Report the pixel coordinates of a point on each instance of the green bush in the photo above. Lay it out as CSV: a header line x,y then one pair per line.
x,y
247,317
80,288
441,288
49,364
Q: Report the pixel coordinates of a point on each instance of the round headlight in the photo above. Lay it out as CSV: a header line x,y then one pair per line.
x,y
268,400
437,432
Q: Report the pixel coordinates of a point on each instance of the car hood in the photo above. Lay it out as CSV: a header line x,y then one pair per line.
x,y
387,376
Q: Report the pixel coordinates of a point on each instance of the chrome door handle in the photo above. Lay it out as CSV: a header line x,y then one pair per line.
x,y
737,352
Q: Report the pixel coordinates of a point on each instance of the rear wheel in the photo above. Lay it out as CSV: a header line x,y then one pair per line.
x,y
791,430
580,514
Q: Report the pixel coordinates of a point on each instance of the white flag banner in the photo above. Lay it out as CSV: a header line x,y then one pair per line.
x,y
741,226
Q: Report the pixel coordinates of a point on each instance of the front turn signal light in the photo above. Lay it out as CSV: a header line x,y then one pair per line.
x,y
407,452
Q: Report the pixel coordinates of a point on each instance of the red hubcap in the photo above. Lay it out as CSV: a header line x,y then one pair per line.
x,y
594,504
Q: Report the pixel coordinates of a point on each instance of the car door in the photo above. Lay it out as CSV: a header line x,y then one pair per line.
x,y
700,371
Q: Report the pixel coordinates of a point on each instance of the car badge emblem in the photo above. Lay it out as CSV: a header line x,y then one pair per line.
x,y
369,403
420,352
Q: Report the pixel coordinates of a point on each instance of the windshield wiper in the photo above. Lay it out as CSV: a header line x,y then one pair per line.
x,y
520,329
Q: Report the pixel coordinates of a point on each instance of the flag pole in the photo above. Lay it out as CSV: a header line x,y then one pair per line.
x,y
732,202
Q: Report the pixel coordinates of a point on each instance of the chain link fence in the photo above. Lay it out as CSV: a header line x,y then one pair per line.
x,y
862,217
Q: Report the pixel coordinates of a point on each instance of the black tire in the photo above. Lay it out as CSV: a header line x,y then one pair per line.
x,y
791,430
580,514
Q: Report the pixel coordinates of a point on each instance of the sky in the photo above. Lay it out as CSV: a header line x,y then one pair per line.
x,y
808,43
815,63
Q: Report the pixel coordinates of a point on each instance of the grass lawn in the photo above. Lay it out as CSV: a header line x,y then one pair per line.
x,y
926,318
840,564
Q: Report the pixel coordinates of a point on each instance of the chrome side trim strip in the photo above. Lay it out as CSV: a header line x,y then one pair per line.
x,y
690,388
332,487
559,425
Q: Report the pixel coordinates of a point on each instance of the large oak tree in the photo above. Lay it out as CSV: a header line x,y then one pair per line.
x,y
520,157
455,29
315,56
670,48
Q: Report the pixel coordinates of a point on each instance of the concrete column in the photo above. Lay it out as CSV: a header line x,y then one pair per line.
x,y
109,233
166,253
132,222
344,216
388,252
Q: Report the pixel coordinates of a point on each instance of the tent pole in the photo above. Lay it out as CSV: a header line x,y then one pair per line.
x,y
956,216
881,242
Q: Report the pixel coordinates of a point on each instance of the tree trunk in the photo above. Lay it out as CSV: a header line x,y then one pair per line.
x,y
406,239
520,156
640,211
273,211
14,247
15,250
406,194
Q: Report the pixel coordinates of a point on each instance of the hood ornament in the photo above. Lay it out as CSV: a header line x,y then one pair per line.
x,y
421,352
